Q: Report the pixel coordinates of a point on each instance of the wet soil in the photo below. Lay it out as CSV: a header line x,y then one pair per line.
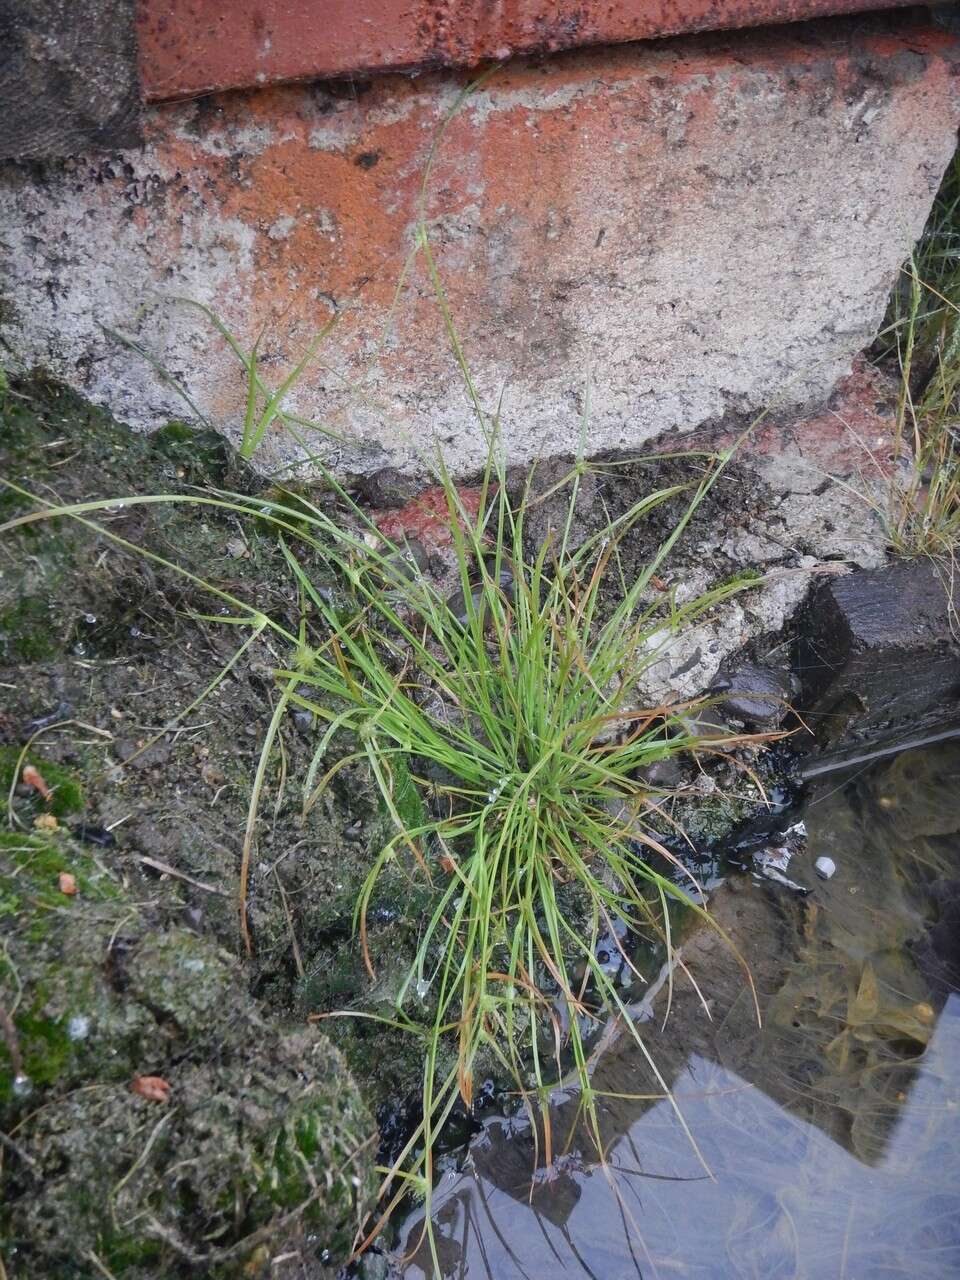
x,y
101,646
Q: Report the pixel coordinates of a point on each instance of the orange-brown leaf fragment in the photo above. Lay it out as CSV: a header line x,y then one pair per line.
x,y
32,777
68,883
153,1088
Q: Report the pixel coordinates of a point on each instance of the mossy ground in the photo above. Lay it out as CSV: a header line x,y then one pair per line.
x,y
257,1117
99,649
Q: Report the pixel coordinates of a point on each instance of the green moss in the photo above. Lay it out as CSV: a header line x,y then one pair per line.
x,y
197,455
741,578
26,632
67,793
259,1118
37,917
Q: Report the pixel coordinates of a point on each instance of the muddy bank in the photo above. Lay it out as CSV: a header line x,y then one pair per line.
x,y
101,649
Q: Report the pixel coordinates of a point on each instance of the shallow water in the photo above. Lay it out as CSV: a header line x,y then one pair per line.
x,y
831,1134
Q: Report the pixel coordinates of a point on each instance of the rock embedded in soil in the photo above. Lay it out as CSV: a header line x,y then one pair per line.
x,y
755,694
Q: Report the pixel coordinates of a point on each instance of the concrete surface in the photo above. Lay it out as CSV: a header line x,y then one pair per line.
x,y
702,226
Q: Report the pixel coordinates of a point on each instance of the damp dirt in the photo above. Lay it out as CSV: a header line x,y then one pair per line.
x,y
101,647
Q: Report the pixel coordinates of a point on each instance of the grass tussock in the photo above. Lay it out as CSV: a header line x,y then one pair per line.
x,y
922,510
511,711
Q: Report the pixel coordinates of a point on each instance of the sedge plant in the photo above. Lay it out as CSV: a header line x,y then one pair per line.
x,y
923,516
264,405
518,703
517,699
920,503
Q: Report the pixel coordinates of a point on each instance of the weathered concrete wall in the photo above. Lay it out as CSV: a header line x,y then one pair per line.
x,y
704,225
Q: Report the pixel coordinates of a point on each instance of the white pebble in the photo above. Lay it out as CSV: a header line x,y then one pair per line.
x,y
825,868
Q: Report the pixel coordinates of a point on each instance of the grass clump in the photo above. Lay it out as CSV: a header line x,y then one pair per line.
x,y
922,510
501,726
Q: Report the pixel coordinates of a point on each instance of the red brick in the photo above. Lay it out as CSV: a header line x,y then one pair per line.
x,y
189,47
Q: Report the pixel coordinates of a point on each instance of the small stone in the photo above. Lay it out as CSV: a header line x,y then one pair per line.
x,y
193,918
303,718
354,831
237,548
662,773
78,1027
825,868
45,822
89,834
389,487
758,695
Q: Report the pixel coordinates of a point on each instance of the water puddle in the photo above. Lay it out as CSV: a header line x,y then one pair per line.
x,y
831,1134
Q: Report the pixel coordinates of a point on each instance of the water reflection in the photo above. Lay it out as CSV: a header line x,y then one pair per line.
x,y
832,1134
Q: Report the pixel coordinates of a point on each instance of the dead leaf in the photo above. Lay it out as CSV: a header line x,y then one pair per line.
x,y
68,883
32,777
448,864
153,1088
211,775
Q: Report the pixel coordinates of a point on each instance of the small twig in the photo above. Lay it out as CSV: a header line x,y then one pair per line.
x,y
12,1041
293,937
101,1266
141,1158
167,870
214,1256
23,1156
